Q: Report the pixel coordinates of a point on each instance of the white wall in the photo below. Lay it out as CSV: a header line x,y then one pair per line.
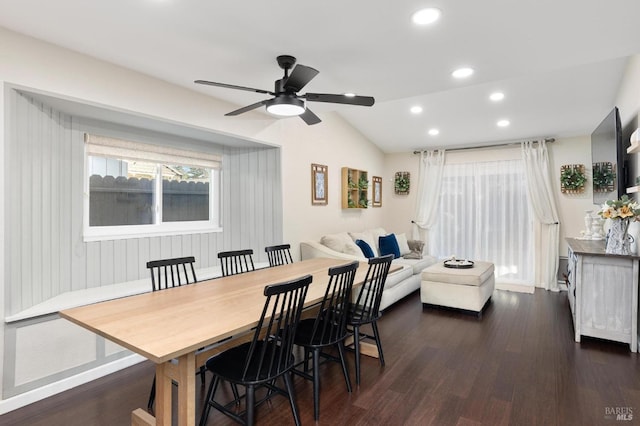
x,y
628,99
572,207
397,218
628,102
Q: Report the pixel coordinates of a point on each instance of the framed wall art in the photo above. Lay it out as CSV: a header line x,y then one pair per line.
x,y
376,192
319,194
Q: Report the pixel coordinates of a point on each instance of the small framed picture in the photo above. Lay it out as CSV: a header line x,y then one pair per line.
x,y
377,191
319,194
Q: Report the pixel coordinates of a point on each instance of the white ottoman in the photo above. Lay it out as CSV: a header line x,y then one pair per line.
x,y
467,289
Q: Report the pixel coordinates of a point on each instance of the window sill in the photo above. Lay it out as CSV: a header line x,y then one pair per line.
x,y
77,298
140,232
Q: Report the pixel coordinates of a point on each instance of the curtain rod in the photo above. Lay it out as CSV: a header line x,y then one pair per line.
x,y
548,140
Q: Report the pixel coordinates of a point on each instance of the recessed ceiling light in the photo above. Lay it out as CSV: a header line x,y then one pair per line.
x,y
416,109
503,123
426,16
496,96
462,72
434,132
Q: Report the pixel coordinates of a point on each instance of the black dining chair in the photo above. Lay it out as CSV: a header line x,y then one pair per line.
x,y
267,357
169,273
366,309
327,329
279,255
236,262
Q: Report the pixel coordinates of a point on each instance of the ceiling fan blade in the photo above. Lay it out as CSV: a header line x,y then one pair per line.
x,y
309,117
247,108
299,77
339,99
233,86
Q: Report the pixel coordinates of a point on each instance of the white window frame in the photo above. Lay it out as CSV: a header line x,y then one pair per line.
x,y
120,149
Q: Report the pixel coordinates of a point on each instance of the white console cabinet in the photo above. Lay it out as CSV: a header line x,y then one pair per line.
x,y
603,293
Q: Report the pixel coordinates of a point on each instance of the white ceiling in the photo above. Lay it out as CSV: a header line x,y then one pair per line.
x,y
559,63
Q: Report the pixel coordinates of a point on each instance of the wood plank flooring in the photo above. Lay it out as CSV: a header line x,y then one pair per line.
x,y
518,365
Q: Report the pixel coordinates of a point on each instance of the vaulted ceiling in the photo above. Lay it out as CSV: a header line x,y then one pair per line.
x,y
558,63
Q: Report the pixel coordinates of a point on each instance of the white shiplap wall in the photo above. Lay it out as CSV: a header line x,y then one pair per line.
x,y
44,170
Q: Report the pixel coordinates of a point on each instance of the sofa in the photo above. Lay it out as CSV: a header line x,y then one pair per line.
x,y
343,245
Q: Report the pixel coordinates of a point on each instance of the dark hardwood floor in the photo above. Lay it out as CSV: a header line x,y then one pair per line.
x,y
518,365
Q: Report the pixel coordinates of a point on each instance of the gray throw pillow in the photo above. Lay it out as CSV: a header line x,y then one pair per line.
x,y
413,255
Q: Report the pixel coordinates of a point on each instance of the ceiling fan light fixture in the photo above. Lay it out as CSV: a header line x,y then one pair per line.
x,y
285,106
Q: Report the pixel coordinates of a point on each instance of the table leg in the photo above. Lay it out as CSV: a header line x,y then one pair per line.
x,y
163,394
182,373
187,389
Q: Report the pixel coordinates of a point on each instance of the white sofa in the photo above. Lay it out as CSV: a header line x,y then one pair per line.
x,y
342,246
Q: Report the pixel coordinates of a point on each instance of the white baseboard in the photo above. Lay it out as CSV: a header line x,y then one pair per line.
x,y
515,287
51,389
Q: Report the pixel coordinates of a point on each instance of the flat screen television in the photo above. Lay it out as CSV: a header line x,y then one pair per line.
x,y
609,158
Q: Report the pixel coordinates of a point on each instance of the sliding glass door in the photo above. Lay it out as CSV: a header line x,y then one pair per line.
x,y
484,215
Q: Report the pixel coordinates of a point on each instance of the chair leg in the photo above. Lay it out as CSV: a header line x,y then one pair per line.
x,y
207,405
152,395
376,335
288,381
316,384
236,394
251,402
202,372
343,362
356,347
306,360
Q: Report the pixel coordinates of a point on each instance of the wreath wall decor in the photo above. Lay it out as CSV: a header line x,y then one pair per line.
x,y
572,178
402,183
603,177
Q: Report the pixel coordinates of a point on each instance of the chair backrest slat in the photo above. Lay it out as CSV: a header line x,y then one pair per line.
x,y
166,273
330,325
279,255
236,262
270,352
367,305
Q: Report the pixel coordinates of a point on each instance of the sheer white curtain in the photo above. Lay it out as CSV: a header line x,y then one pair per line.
x,y
429,181
540,193
484,214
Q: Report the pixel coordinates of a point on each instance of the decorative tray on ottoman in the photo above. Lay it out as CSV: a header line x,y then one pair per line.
x,y
458,263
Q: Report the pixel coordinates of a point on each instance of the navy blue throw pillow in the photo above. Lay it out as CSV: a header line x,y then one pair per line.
x,y
389,245
366,249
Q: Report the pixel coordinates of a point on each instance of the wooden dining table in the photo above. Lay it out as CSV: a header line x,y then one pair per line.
x,y
170,327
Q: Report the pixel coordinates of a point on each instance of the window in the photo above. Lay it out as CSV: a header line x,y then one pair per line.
x,y
484,215
135,189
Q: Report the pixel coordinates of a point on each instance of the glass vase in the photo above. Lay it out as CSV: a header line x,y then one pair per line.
x,y
618,238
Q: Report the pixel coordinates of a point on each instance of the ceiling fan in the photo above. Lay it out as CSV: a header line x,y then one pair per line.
x,y
286,101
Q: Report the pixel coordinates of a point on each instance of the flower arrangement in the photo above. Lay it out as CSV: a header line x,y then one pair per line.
x,y
624,208
621,212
